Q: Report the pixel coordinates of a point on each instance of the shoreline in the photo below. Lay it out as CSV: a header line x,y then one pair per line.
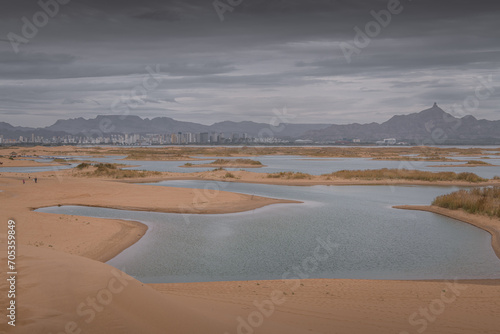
x,y
222,166
259,178
57,188
56,280
130,233
490,225
262,202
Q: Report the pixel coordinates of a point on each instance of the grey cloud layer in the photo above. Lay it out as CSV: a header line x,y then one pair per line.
x,y
266,54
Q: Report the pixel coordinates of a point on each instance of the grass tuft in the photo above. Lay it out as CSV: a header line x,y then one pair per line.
x,y
236,162
289,175
112,171
477,201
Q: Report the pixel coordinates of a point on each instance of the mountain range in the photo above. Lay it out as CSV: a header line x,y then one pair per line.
x,y
430,126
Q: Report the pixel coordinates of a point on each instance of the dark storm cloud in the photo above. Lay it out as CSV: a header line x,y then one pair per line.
x,y
265,54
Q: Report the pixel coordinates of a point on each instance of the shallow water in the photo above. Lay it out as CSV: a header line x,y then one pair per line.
x,y
367,238
34,169
314,166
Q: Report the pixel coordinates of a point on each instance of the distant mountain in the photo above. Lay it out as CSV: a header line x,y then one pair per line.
x,y
430,126
9,131
124,124
161,125
7,127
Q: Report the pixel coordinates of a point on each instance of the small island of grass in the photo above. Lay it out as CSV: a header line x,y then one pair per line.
x,y
405,174
469,163
113,171
230,163
289,176
485,201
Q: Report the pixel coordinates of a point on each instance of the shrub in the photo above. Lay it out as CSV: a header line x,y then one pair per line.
x,y
289,175
477,162
477,201
229,175
111,170
236,162
470,177
83,165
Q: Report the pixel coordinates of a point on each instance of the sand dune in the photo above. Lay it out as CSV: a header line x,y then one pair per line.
x,y
59,292
62,286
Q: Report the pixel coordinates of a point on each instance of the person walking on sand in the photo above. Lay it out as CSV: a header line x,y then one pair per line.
x,y
36,180
23,181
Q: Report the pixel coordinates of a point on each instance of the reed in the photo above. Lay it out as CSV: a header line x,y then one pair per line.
x,y
289,175
405,174
477,201
236,162
112,171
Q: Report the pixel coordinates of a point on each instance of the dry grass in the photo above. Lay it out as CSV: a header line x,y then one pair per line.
x,y
405,158
289,175
478,162
83,165
405,174
112,171
236,162
185,152
484,201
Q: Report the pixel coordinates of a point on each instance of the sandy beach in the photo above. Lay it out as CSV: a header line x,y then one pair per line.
x,y
249,167
64,284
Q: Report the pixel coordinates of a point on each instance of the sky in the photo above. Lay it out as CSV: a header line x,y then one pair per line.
x,y
314,61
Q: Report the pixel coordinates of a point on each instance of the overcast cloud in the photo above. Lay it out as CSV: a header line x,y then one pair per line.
x,y
266,54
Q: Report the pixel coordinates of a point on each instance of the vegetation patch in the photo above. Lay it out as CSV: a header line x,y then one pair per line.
x,y
484,201
83,165
112,171
478,162
236,162
289,175
405,174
